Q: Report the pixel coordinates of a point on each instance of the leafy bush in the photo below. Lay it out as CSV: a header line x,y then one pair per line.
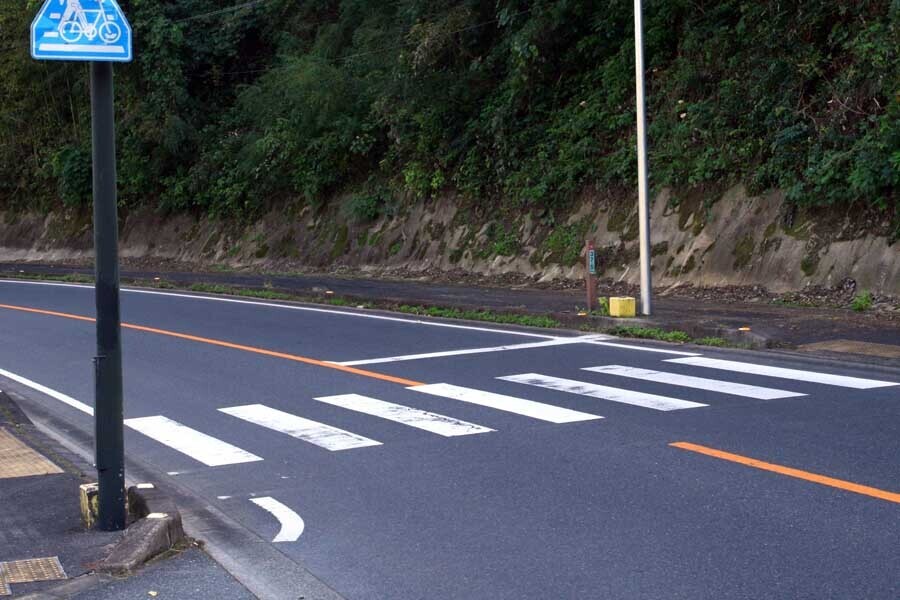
x,y
364,207
72,168
651,333
862,302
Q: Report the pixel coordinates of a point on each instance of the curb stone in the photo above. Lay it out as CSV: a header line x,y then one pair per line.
x,y
157,529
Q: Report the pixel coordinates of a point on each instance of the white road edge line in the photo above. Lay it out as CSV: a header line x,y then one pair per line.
x,y
783,373
554,342
292,525
49,392
204,448
294,307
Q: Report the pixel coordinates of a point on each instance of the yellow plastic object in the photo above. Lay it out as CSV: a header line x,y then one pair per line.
x,y
621,307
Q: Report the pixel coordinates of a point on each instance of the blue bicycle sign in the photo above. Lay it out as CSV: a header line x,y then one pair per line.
x,y
83,30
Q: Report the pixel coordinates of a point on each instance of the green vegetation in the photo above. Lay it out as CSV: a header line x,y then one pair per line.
x,y
480,315
711,341
650,333
565,243
70,278
743,252
603,310
519,105
862,302
267,294
501,242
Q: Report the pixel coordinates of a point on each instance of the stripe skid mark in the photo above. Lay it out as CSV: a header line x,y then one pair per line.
x,y
324,436
390,359
210,451
519,406
790,472
713,385
603,392
782,373
292,525
642,348
223,344
413,417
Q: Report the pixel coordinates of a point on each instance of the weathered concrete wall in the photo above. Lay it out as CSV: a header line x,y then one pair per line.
x,y
706,240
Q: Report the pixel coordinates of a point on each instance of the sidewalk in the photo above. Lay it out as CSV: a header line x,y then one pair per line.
x,y
39,512
46,553
838,332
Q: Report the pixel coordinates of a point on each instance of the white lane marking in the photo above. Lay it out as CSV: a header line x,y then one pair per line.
x,y
420,419
211,451
325,436
644,348
782,373
519,406
52,393
390,359
292,525
295,307
601,391
713,385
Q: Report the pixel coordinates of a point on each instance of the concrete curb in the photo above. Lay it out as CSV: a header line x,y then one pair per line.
x,y
157,529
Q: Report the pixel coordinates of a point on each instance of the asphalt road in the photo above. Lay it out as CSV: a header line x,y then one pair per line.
x,y
485,487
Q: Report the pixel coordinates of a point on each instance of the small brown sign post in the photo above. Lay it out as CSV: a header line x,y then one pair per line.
x,y
590,275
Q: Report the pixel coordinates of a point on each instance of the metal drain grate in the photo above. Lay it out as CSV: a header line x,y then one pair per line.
x,y
29,571
18,460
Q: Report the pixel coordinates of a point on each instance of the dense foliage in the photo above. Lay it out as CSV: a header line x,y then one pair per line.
x,y
516,103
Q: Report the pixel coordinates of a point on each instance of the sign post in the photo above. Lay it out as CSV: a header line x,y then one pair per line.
x,y
97,31
590,276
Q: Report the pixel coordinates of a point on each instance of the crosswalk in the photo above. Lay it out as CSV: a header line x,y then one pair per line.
x,y
319,434
698,383
602,392
519,406
602,385
211,451
782,373
413,417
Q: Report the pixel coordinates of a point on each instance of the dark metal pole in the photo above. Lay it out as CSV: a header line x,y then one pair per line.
x,y
108,363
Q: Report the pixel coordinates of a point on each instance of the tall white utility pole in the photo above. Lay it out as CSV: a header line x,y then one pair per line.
x,y
643,208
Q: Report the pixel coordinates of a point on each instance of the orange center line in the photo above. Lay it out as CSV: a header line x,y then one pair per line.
x,y
791,472
224,344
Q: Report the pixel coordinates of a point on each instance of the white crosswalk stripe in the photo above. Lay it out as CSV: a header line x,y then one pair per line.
x,y
782,373
210,451
519,406
700,383
603,392
325,436
413,417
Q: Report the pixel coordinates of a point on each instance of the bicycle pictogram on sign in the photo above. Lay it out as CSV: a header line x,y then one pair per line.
x,y
78,23
93,30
